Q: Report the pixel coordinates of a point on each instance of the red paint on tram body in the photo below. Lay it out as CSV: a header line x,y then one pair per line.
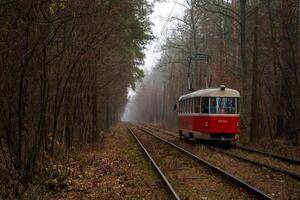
x,y
210,124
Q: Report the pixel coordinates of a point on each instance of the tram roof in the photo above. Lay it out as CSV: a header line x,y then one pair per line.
x,y
212,92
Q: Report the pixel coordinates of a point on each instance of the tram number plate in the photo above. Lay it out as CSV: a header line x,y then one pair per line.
x,y
222,121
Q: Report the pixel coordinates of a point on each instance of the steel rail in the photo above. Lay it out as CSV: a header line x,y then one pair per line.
x,y
254,190
289,160
153,128
286,172
292,174
170,187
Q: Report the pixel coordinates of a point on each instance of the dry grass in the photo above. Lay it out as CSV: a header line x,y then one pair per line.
x,y
115,169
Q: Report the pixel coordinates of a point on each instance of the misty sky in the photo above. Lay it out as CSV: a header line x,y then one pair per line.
x,y
162,26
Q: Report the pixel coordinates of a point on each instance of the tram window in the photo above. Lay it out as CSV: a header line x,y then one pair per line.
x,y
192,105
187,106
237,105
204,104
222,105
212,105
197,104
227,105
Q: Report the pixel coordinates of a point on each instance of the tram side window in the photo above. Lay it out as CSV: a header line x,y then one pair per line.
x,y
186,105
238,105
197,105
191,105
213,105
204,105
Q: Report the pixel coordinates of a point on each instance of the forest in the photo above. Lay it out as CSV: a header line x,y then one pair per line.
x,y
248,45
65,70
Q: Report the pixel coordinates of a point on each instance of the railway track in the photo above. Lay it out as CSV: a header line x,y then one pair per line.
x,y
237,181
251,150
161,174
285,159
274,168
243,158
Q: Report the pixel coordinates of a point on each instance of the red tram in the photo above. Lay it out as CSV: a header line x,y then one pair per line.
x,y
211,114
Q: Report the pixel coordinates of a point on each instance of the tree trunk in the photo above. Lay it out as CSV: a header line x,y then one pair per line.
x,y
245,82
254,101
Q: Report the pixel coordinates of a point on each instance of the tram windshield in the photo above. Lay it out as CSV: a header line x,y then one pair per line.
x,y
220,105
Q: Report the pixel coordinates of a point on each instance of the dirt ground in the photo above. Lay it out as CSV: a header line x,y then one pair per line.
x,y
115,169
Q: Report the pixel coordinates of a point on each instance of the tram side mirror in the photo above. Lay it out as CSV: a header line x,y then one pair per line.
x,y
175,107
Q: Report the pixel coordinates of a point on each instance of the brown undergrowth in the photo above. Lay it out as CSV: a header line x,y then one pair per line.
x,y
114,169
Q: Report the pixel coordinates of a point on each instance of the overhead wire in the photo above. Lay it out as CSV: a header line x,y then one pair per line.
x,y
166,23
154,48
